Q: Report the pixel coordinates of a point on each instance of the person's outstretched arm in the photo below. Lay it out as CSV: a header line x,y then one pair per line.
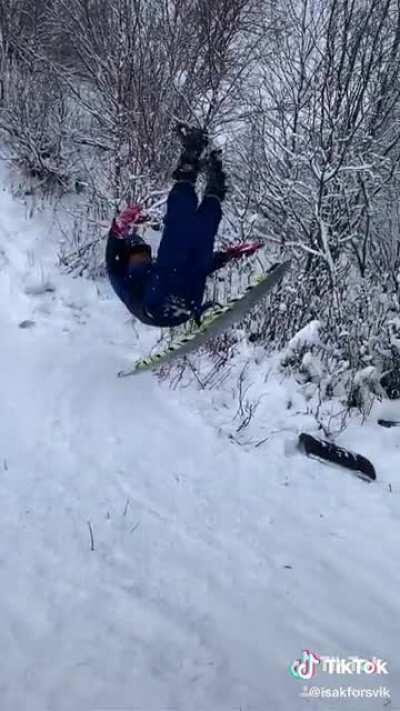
x,y
222,257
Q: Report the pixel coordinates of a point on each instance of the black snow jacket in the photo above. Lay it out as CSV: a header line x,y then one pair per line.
x,y
133,285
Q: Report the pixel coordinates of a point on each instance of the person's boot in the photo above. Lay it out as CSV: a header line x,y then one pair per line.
x,y
216,177
194,141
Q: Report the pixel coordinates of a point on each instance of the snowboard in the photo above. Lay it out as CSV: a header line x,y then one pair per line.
x,y
329,452
217,320
389,423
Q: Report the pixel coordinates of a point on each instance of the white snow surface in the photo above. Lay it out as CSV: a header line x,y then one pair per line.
x,y
215,561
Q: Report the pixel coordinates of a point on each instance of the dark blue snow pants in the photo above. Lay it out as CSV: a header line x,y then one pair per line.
x,y
186,250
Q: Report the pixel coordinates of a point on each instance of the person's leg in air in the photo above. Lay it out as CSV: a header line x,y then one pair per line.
x,y
166,296
208,218
182,201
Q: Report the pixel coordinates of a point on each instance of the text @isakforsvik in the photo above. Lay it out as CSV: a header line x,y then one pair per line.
x,y
345,692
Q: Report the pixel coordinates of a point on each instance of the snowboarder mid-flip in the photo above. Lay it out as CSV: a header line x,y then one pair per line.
x,y
169,290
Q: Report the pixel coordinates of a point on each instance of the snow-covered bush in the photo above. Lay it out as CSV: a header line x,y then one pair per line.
x,y
318,165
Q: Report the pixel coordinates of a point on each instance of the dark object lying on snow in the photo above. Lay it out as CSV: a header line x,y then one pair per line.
x,y
389,423
329,452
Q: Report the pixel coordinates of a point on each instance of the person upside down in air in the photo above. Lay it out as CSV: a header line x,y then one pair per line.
x,y
169,290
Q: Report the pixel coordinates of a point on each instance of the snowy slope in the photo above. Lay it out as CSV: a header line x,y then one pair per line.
x,y
214,564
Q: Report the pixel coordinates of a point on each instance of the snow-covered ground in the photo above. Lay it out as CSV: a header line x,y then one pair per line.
x,y
215,562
